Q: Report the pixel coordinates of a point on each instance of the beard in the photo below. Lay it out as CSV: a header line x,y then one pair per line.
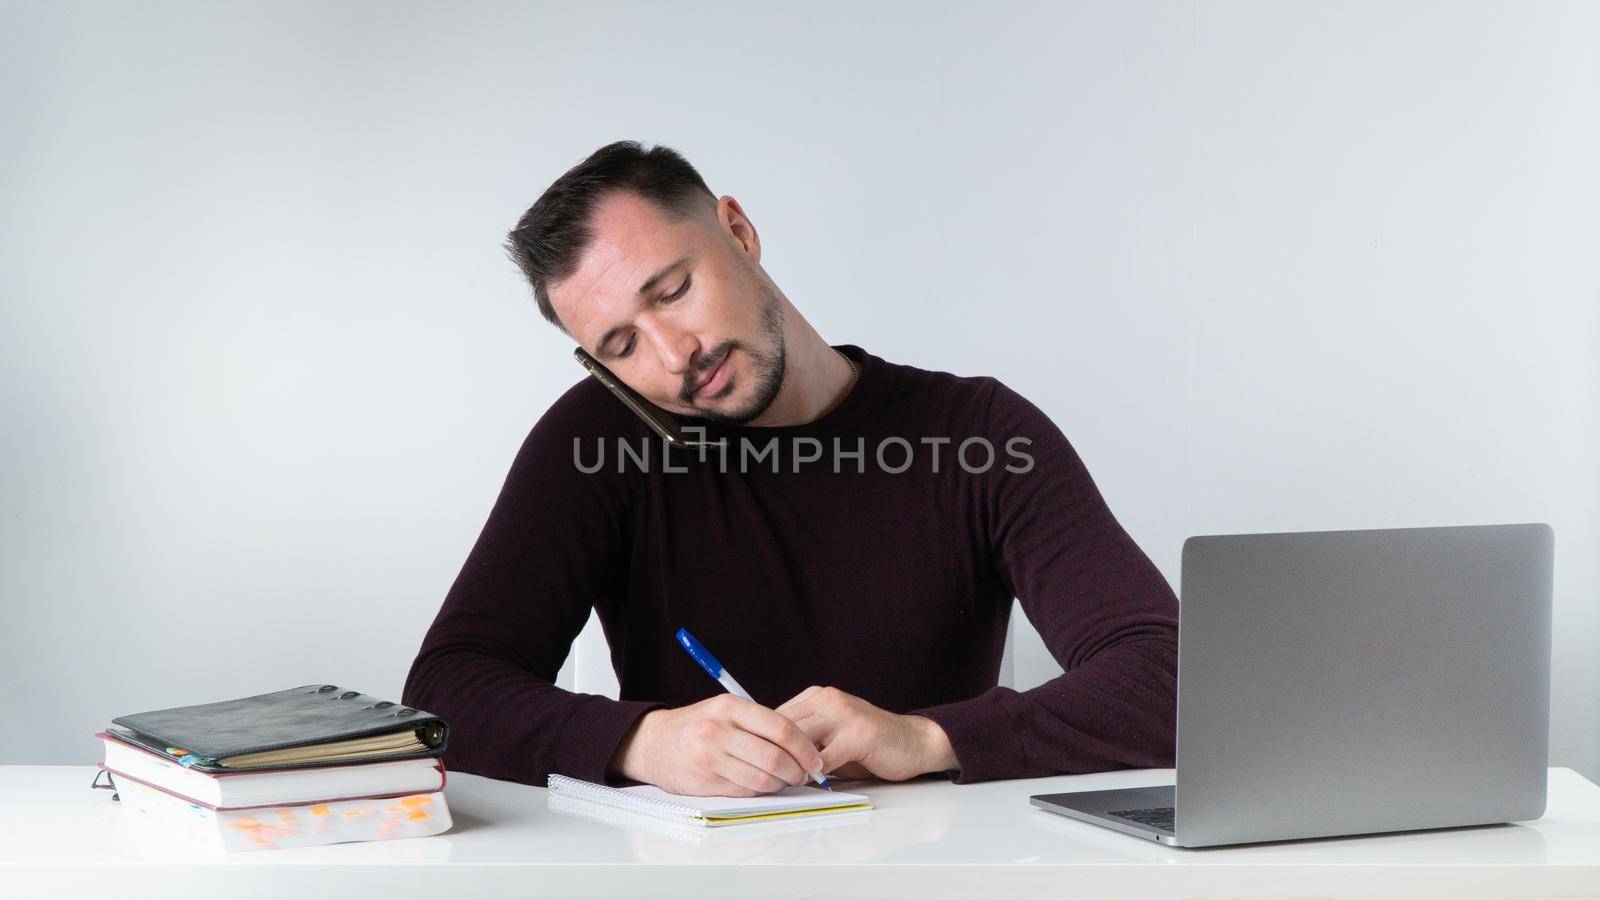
x,y
768,365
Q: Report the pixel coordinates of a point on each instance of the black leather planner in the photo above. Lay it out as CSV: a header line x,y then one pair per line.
x,y
298,717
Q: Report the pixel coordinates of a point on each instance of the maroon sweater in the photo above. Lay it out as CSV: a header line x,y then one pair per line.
x,y
892,585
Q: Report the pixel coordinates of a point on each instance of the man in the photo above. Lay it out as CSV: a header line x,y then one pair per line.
x,y
849,548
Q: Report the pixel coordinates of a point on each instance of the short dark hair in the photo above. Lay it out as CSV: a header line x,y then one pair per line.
x,y
552,235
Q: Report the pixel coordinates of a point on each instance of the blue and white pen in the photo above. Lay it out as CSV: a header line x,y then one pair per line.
x,y
715,670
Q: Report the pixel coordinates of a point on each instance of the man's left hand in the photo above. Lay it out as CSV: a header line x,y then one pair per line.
x,y
859,739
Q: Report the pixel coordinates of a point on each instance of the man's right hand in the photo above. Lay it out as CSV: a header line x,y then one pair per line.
x,y
725,746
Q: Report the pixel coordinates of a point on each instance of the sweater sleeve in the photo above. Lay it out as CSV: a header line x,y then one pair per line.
x,y
547,553
1102,607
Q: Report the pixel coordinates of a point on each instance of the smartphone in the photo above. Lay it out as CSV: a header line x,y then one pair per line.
x,y
659,420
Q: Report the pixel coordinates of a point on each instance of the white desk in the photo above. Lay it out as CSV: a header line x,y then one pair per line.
x,y
926,839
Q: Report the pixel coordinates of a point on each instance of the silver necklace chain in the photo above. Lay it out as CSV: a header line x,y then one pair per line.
x,y
855,374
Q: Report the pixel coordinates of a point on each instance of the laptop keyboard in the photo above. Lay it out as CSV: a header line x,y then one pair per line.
x,y
1155,817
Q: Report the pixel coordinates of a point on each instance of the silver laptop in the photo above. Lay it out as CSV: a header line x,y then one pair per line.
x,y
1351,682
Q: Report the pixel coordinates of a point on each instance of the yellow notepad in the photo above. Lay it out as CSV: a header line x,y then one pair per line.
x,y
711,812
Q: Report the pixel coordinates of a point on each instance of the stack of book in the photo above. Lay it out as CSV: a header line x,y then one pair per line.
x,y
310,765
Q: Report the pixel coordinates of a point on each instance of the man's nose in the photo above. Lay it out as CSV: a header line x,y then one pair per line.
x,y
676,348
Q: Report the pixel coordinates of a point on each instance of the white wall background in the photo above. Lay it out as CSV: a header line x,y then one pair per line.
x,y
263,365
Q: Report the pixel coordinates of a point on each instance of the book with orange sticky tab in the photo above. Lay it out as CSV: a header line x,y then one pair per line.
x,y
164,815
262,809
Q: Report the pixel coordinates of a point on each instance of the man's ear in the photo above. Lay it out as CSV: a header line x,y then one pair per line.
x,y
730,215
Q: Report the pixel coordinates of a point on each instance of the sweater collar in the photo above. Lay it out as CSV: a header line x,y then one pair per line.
x,y
872,382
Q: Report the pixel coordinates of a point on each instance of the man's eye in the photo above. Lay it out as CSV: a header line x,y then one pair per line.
x,y
677,293
626,350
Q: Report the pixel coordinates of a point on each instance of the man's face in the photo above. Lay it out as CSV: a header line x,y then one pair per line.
x,y
678,309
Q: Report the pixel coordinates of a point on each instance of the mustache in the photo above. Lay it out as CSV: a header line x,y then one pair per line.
x,y
704,363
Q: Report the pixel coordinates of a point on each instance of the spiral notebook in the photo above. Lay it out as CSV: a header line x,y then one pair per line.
x,y
701,835
711,812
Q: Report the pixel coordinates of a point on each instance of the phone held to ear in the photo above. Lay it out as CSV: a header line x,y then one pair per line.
x,y
659,420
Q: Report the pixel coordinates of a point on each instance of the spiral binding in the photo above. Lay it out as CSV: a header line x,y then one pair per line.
x,y
605,814
610,796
